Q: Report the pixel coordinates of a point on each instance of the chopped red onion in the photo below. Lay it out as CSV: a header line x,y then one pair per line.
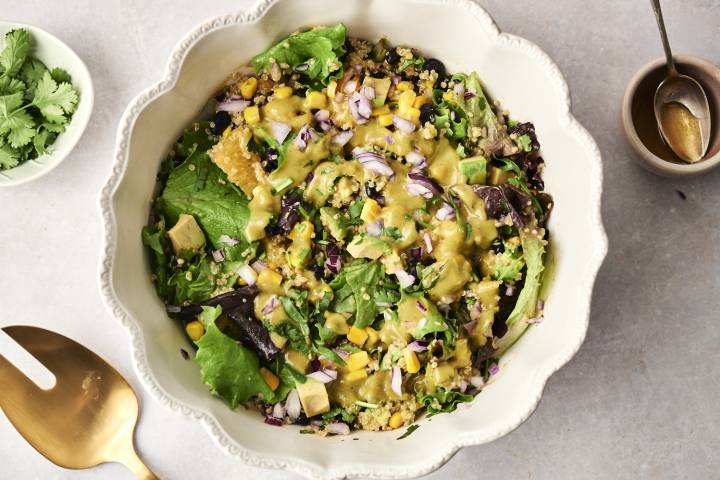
x,y
535,320
278,410
218,255
248,274
271,305
470,326
468,95
338,97
389,139
338,428
233,105
276,422
494,369
418,346
463,385
396,79
324,376
258,266
404,278
302,67
475,311
322,115
420,306
341,353
303,137
421,186
416,159
509,291
228,240
403,125
452,115
477,381
396,382
342,138
333,258
445,212
360,108
368,92
459,89
375,229
422,322
292,405
540,305
350,86
373,162
428,242
279,130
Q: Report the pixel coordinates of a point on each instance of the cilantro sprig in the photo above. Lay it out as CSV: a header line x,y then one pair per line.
x,y
36,104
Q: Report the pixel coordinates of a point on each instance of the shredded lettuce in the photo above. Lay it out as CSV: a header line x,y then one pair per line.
x,y
319,49
442,400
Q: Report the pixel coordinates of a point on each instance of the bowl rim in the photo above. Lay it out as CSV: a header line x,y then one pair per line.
x,y
82,122
646,157
303,467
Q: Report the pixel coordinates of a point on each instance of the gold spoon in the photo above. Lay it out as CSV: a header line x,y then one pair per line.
x,y
681,106
86,419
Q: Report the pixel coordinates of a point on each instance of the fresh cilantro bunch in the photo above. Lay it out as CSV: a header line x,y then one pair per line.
x,y
35,103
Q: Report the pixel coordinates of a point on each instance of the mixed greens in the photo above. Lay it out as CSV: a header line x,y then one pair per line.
x,y
35,103
354,237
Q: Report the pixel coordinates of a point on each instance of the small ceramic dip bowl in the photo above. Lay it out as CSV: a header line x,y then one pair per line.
x,y
638,118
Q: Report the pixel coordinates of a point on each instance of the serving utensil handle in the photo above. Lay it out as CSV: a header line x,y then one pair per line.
x,y
663,35
133,462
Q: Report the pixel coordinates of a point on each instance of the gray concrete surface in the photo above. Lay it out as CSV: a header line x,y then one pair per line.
x,y
640,400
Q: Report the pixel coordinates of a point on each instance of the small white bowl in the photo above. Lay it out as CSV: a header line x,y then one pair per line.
x,y
464,36
53,53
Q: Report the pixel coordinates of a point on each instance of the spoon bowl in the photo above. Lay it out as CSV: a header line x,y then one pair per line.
x,y
682,111
86,419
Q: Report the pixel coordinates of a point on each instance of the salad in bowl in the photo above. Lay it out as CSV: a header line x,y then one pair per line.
x,y
350,234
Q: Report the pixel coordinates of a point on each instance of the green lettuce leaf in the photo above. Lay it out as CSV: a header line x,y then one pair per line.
x,y
320,49
356,285
230,370
199,188
443,400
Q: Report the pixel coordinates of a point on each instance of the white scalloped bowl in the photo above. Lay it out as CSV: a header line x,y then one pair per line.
x,y
464,36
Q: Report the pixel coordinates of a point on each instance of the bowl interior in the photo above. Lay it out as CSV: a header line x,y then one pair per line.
x,y
54,53
514,72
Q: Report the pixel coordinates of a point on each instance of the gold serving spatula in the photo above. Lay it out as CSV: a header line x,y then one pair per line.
x,y
86,419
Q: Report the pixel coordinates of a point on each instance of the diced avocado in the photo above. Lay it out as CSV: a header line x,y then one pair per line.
x,y
497,176
462,354
381,86
186,235
336,322
367,247
331,219
297,360
322,184
313,397
474,169
487,293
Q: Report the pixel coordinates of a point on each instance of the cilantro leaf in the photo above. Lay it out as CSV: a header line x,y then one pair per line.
x,y
524,142
9,86
9,157
442,400
53,99
60,75
14,121
230,370
409,430
17,48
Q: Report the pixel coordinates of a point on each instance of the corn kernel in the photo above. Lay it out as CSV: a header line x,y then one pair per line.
x,y
357,336
449,96
406,100
384,110
355,375
370,210
315,100
283,92
413,114
420,101
252,115
227,132
278,340
373,336
357,360
331,89
269,281
195,330
248,87
404,86
385,120
270,378
396,420
412,364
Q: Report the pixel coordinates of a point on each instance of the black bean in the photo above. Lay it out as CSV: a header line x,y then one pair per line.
x,y
426,113
437,65
392,56
269,160
301,91
319,271
221,121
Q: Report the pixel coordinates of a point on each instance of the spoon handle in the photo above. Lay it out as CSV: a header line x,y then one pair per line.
x,y
142,472
663,34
